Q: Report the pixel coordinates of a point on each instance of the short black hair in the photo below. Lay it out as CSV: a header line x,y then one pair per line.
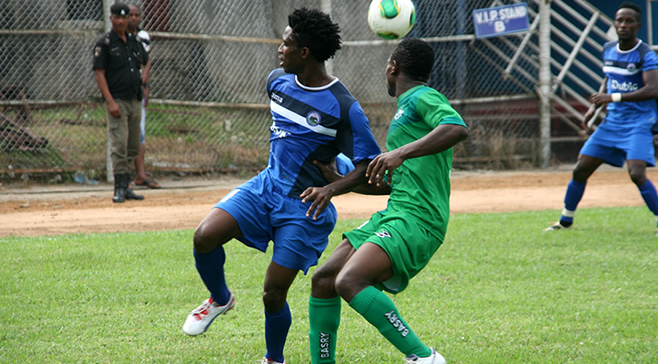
x,y
314,30
415,58
632,6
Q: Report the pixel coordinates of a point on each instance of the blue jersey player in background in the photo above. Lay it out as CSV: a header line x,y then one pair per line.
x,y
314,119
629,90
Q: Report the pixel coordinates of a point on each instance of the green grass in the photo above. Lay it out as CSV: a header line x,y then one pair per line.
x,y
498,291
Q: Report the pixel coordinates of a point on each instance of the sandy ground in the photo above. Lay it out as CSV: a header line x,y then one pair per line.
x,y
32,210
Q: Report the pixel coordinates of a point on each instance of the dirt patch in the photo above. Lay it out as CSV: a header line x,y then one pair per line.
x,y
47,210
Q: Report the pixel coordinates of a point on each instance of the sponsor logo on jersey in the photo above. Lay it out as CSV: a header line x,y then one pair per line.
x,y
276,98
623,86
325,344
279,133
313,118
383,234
398,114
397,323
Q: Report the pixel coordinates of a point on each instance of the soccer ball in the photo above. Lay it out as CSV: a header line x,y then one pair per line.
x,y
391,19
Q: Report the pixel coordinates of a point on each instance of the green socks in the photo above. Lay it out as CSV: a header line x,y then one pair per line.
x,y
324,318
380,311
376,308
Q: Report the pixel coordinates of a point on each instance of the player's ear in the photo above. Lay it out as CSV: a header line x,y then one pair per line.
x,y
395,67
305,52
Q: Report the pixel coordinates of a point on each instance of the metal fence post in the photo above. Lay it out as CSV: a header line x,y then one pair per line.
x,y
108,148
545,82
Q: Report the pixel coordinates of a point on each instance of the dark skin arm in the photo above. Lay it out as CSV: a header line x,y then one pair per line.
x,y
330,173
321,196
592,109
647,92
112,106
438,140
146,73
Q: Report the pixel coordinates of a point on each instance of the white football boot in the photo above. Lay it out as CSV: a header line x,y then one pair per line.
x,y
434,358
198,320
270,361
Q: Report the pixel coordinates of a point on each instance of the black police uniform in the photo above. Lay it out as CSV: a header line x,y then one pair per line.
x,y
122,62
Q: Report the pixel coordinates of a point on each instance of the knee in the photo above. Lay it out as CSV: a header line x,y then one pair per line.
x,y
347,287
638,177
274,298
203,242
323,283
580,175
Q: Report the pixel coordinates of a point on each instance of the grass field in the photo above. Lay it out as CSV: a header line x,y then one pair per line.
x,y
498,291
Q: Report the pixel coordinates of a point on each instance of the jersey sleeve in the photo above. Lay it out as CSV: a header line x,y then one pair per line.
x,y
271,77
145,39
100,54
650,61
435,110
362,144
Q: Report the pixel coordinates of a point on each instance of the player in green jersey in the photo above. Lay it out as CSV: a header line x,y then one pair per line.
x,y
395,244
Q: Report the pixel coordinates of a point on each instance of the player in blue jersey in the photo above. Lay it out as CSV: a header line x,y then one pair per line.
x,y
314,118
629,90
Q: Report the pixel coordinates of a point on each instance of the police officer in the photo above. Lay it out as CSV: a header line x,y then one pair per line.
x,y
118,58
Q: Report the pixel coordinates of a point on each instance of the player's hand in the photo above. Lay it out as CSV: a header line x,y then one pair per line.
x,y
114,109
329,170
600,98
586,118
383,164
321,197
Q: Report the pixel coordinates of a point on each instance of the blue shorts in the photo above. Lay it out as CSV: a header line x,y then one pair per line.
x,y
615,145
265,214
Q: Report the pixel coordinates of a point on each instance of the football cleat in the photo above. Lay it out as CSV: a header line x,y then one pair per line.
x,y
200,319
434,358
270,361
557,226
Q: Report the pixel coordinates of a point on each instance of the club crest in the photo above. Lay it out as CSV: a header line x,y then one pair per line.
x,y
313,118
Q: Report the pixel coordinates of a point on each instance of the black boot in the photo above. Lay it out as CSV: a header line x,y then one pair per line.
x,y
130,195
119,190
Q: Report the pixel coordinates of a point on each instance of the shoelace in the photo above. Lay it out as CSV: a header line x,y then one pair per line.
x,y
202,310
412,359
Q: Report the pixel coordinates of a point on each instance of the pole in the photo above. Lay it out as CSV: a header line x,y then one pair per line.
x,y
545,90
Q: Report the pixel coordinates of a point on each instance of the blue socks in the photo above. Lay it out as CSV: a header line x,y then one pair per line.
x,y
575,191
211,269
650,196
277,325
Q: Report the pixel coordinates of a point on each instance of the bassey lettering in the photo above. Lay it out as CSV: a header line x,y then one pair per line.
x,y
325,343
397,323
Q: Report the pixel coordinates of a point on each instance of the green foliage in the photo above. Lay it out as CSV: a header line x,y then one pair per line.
x,y
498,291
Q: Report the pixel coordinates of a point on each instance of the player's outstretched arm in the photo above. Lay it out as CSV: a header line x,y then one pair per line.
x,y
442,138
321,196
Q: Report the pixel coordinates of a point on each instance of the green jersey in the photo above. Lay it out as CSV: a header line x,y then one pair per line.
x,y
421,186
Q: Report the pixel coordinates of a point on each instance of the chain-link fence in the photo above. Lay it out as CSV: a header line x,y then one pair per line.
x,y
210,59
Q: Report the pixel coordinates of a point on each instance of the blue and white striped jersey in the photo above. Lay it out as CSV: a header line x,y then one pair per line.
x,y
624,71
313,123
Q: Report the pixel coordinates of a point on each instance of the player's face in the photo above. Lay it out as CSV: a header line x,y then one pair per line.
x,y
626,24
289,53
390,77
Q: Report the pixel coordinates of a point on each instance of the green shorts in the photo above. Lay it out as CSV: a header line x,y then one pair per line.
x,y
408,243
